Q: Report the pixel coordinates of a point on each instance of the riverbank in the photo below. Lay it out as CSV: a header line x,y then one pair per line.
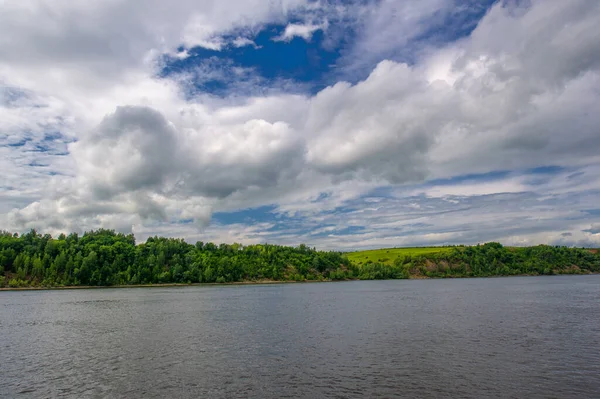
x,y
85,287
272,282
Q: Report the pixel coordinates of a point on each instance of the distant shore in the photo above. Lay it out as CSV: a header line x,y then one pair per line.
x,y
104,258
267,282
85,287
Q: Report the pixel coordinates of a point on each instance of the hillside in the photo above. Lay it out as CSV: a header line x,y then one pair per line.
x,y
490,259
388,256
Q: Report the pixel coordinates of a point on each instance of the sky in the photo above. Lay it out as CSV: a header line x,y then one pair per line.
x,y
341,124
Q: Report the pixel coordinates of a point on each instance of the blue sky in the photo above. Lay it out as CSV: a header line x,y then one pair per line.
x,y
313,62
339,124
306,63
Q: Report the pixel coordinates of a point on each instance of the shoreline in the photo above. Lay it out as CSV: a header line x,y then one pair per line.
x,y
265,282
163,285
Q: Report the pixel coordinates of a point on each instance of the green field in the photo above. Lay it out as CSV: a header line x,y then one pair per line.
x,y
389,255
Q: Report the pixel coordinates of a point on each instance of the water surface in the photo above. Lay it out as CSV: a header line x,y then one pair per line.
x,y
535,337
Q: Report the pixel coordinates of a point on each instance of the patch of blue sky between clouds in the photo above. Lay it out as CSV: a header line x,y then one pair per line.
x,y
530,177
480,177
268,62
51,142
309,64
405,211
267,216
252,215
275,222
421,220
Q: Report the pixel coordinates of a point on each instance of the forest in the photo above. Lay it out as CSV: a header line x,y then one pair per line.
x,y
486,260
107,258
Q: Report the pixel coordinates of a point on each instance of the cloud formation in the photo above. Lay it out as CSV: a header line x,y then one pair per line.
x,y
299,30
93,135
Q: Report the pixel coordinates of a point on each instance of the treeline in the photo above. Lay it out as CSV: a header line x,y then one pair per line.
x,y
491,259
103,257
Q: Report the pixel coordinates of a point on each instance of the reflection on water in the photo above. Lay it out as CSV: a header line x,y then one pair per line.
x,y
505,337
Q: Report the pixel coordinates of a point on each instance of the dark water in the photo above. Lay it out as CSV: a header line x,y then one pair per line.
x,y
473,338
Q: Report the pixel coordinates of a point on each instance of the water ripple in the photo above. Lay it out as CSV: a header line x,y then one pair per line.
x,y
471,338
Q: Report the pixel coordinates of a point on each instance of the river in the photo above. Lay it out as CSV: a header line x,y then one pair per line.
x,y
534,337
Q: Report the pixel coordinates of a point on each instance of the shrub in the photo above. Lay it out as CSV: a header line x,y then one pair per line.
x,y
13,283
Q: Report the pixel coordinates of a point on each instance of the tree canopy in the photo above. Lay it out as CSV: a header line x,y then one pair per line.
x,y
104,257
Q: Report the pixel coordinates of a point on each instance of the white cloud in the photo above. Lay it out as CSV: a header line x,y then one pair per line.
x,y
244,41
384,30
304,31
481,188
520,92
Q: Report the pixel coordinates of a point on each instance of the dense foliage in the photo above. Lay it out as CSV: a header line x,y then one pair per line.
x,y
104,257
491,259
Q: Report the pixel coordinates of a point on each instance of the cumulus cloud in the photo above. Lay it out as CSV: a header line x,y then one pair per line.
x,y
379,128
136,153
92,137
93,44
134,148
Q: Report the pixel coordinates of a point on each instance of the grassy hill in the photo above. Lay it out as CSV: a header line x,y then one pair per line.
x,y
387,256
490,259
